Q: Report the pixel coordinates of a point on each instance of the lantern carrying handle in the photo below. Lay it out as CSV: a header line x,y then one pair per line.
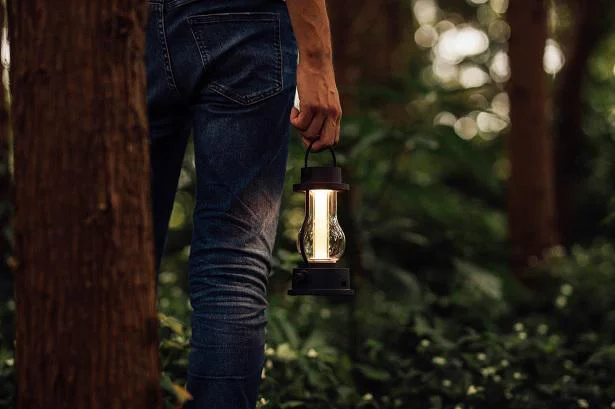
x,y
309,150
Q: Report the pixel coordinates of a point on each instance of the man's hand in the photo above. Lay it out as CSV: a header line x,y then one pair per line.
x,y
319,114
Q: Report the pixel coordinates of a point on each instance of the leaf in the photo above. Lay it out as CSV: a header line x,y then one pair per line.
x,y
373,373
288,330
604,357
172,323
292,404
181,393
480,279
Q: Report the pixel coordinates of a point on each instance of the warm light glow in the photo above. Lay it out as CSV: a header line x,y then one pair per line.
x,y
321,223
466,128
499,6
426,36
471,76
500,67
425,11
457,43
553,59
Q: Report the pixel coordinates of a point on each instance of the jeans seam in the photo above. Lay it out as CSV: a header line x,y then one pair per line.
x,y
280,54
167,55
278,79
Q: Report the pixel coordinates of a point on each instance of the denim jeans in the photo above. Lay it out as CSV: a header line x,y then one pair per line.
x,y
225,71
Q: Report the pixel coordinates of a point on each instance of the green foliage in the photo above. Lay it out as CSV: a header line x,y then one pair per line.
x,y
550,349
438,322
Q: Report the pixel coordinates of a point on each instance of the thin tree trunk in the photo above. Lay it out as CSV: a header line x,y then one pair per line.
x,y
531,192
570,142
6,283
370,45
85,280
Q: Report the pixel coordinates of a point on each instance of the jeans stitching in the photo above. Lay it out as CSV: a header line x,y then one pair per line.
x,y
278,80
166,53
199,41
280,55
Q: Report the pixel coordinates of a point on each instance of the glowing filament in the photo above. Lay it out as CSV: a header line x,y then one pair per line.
x,y
321,223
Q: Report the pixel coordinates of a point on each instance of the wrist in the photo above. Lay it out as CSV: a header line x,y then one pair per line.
x,y
318,57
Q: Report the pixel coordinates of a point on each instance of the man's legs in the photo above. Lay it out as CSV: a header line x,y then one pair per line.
x,y
240,158
231,65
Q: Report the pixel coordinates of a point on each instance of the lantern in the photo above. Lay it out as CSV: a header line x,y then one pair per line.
x,y
321,240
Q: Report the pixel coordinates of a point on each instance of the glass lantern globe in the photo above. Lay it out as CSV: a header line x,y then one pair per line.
x,y
321,240
321,234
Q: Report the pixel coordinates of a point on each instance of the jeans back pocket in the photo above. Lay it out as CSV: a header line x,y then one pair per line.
x,y
241,54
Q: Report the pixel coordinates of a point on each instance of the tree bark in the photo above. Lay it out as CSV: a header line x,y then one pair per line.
x,y
6,283
587,31
85,281
531,192
370,45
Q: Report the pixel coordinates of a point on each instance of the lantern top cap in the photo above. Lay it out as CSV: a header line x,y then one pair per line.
x,y
320,177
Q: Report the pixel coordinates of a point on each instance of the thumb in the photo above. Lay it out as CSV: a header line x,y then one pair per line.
x,y
300,119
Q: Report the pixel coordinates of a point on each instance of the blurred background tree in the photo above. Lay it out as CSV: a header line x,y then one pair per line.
x,y
493,126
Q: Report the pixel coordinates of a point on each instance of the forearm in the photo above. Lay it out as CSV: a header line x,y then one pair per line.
x,y
311,26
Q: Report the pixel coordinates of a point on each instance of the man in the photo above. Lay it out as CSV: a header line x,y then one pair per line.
x,y
226,70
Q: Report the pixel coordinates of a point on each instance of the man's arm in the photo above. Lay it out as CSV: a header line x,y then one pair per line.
x,y
320,111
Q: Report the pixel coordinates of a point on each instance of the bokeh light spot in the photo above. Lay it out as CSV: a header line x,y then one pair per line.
x,y
471,76
426,36
466,128
553,59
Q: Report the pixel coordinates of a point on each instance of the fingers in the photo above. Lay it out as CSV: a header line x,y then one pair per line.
x,y
301,119
320,124
329,134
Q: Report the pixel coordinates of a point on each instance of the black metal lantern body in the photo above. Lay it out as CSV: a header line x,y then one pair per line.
x,y
321,240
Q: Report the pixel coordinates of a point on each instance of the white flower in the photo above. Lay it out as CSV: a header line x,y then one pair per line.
x,y
459,406
522,335
561,301
488,371
504,363
518,375
542,329
264,401
472,390
312,353
285,352
368,396
9,361
438,360
269,364
425,343
583,403
481,356
566,289
447,383
269,351
325,313
519,326
497,378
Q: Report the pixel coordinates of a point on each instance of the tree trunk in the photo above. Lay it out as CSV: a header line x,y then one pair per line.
x,y
585,35
370,45
6,283
531,192
85,280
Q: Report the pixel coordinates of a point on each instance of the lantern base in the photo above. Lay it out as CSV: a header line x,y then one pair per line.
x,y
320,279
